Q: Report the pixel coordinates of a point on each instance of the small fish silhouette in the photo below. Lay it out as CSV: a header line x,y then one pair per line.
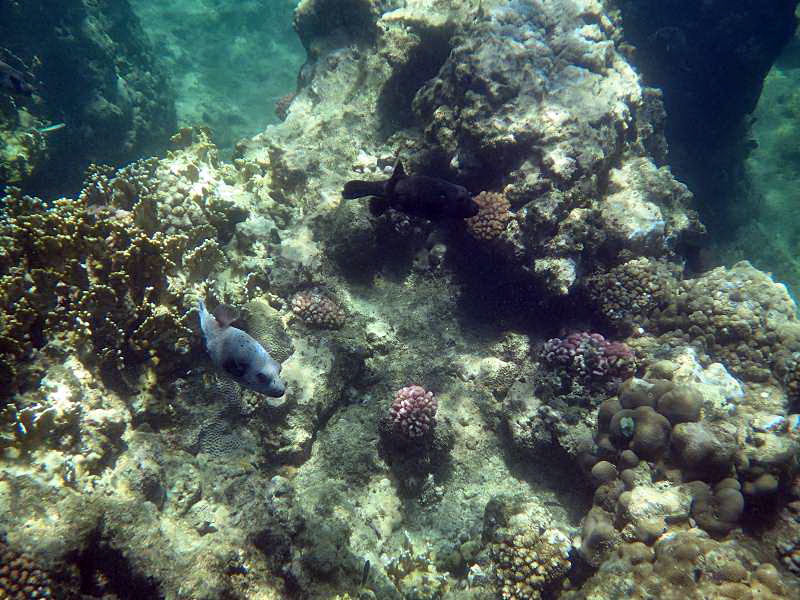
x,y
415,195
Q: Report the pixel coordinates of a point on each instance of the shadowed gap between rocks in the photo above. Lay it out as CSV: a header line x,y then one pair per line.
x,y
424,62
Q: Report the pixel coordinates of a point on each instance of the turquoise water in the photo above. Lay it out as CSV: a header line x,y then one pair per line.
x,y
383,300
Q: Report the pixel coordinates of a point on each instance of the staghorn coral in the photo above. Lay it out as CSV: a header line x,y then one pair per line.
x,y
493,216
413,411
529,563
318,310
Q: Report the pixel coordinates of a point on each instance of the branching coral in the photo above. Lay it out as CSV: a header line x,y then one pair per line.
x,y
627,295
413,412
107,273
529,563
21,578
98,283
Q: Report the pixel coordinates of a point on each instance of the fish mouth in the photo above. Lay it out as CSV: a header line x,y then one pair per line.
x,y
276,390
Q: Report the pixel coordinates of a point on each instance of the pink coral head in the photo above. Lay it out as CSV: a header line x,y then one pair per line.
x,y
590,356
413,411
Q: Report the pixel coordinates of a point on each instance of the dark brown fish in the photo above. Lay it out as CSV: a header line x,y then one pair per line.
x,y
416,195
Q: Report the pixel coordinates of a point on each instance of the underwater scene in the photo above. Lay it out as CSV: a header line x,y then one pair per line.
x,y
399,300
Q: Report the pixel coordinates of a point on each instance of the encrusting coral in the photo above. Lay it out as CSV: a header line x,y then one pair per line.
x,y
684,565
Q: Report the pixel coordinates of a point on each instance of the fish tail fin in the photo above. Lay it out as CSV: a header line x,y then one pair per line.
x,y
359,189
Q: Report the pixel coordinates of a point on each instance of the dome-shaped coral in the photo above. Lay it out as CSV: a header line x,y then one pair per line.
x,y
318,310
493,216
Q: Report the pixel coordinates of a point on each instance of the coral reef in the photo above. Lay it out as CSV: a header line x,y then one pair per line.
x,y
534,472
413,411
21,578
316,309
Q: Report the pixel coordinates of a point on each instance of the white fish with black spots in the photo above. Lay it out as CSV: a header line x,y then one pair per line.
x,y
239,355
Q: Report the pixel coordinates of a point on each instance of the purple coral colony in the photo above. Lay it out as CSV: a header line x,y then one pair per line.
x,y
471,318
413,411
